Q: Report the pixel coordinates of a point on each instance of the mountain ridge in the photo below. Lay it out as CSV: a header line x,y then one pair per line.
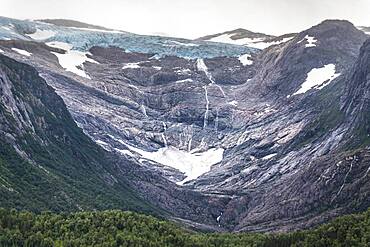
x,y
73,23
248,38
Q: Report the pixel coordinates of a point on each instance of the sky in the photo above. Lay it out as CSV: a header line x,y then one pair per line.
x,y
193,18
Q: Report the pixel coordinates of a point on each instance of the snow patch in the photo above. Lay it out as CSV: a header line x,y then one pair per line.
x,y
226,38
264,45
22,52
173,43
258,43
270,156
131,66
156,57
185,80
96,30
183,71
245,59
233,103
72,60
310,40
102,143
1,51
265,111
318,78
192,164
41,34
124,152
60,45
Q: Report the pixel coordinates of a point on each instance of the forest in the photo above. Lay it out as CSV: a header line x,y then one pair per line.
x,y
125,228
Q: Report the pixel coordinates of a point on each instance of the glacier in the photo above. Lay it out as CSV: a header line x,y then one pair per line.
x,y
82,39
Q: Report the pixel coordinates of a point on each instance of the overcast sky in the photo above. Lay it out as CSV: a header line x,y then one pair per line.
x,y
193,18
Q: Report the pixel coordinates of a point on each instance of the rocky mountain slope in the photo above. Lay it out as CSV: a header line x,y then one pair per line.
x,y
47,163
218,136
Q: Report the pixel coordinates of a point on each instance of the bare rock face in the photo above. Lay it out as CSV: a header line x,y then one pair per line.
x,y
283,68
261,141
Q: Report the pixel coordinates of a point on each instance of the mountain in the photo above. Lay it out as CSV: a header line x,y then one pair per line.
x,y
282,151
217,136
247,38
47,163
330,44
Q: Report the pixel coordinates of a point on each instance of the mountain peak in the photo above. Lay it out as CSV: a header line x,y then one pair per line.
x,y
340,35
336,22
236,36
334,26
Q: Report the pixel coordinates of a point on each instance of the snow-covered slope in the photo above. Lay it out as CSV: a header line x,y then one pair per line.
x,y
22,52
318,78
71,60
247,38
193,164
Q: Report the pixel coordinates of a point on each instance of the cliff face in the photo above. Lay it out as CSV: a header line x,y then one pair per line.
x,y
47,163
356,100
